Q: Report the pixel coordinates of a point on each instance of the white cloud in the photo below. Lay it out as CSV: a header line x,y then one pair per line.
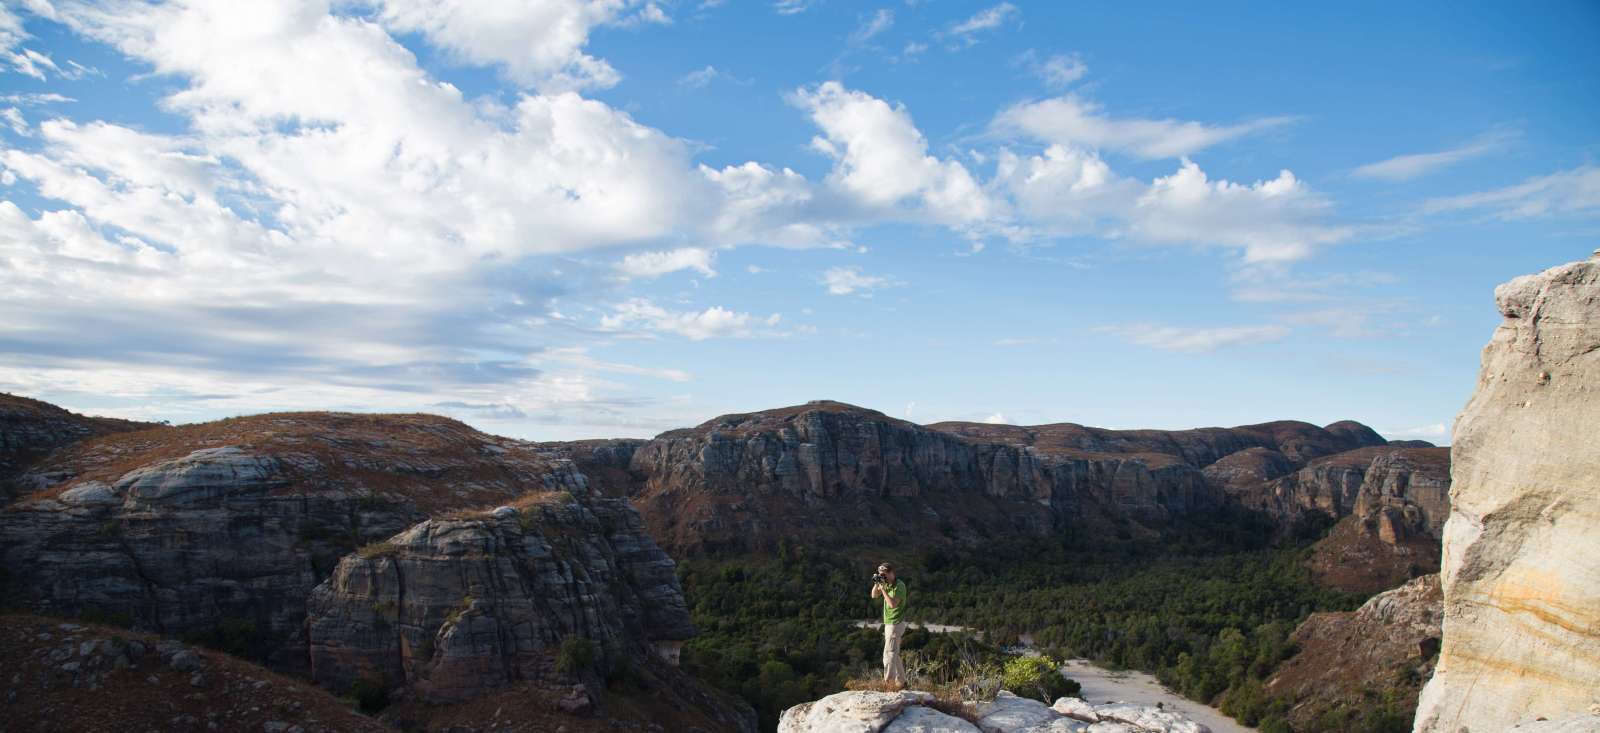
x,y
1057,70
1068,120
790,7
698,79
997,419
878,23
1272,221
539,43
641,315
882,158
1437,433
1575,192
13,119
656,264
966,32
1194,340
1407,167
848,280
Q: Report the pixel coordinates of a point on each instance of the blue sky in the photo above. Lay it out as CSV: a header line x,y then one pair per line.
x,y
563,219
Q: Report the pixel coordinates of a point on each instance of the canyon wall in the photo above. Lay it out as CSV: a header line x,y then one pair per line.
x,y
1521,576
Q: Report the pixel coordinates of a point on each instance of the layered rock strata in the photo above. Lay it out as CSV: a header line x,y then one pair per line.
x,y
1521,575
456,608
831,467
229,525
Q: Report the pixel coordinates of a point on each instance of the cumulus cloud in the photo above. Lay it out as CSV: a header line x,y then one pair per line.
x,y
1194,340
1416,165
1069,120
1573,192
848,280
997,419
656,264
538,43
642,316
1272,220
882,158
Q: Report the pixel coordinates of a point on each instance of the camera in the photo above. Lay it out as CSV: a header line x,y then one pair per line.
x,y
879,579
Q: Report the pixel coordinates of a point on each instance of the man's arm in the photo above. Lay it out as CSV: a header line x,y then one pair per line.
x,y
893,600
877,590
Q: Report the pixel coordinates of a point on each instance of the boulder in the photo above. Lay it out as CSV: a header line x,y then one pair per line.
x,y
861,711
1521,576
919,719
1010,713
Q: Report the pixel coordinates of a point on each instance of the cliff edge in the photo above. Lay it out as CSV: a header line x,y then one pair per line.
x,y
1520,576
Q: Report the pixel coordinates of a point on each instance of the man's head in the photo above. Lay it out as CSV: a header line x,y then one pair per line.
x,y
886,569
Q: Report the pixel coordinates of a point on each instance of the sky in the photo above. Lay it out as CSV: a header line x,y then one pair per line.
x,y
560,219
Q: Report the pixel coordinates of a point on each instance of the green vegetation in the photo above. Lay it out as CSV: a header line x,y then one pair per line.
x,y
1208,609
575,656
238,637
1039,678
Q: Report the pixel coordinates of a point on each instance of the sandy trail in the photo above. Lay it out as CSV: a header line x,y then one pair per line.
x,y
1103,685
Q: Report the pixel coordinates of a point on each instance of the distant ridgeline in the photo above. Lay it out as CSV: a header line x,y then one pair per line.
x,y
831,472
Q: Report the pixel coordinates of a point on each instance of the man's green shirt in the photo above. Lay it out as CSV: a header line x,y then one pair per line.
x,y
898,592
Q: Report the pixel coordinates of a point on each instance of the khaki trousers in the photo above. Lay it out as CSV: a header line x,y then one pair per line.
x,y
893,669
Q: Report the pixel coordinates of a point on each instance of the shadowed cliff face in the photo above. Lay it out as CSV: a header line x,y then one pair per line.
x,y
827,468
1521,577
456,608
187,529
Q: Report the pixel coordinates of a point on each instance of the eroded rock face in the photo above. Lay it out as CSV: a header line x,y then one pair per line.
x,y
229,525
828,466
457,608
1390,643
1521,576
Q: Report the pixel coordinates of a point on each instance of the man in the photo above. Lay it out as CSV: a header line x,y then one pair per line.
x,y
893,593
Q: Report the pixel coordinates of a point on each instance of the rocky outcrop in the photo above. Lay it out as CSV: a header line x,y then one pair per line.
x,y
1410,485
915,712
227,526
95,679
31,430
831,467
1389,644
456,608
1521,577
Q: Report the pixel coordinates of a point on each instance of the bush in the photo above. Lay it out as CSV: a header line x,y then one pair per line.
x,y
1039,678
370,694
575,656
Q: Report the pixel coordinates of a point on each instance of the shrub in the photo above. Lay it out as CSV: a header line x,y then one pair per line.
x,y
370,694
1039,678
575,656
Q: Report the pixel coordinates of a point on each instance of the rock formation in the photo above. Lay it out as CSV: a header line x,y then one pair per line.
x,y
917,712
1389,644
95,679
454,609
186,530
30,430
1521,576
824,466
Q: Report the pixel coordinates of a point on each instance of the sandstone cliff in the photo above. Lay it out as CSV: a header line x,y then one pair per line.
x,y
1521,576
185,530
454,609
1346,659
828,467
